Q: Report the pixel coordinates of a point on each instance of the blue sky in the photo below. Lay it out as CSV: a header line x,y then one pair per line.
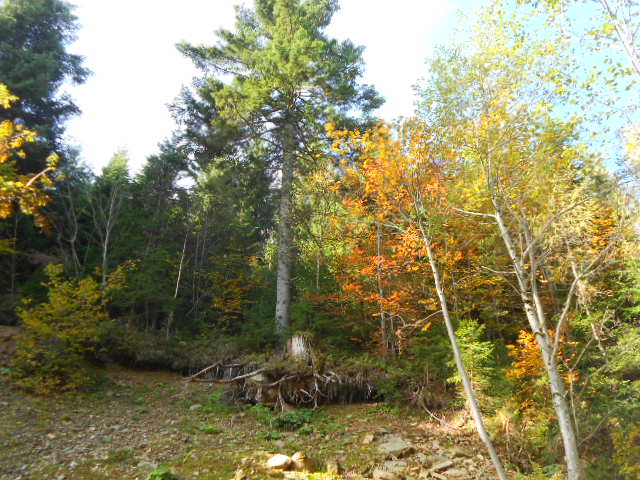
x,y
129,45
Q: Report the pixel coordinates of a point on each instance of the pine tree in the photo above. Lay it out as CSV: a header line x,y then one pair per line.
x,y
288,80
34,64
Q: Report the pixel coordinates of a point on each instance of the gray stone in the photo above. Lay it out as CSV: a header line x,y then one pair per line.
x,y
394,466
395,445
435,459
422,458
438,467
195,406
381,474
460,452
457,473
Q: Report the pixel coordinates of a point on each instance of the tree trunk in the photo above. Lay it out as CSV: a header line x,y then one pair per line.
x,y
299,348
383,318
534,312
105,249
283,285
14,255
175,292
462,372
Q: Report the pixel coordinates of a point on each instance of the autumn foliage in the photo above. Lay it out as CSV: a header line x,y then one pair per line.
x,y
63,333
27,190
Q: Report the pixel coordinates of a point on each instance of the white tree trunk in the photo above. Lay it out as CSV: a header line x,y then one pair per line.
x,y
383,317
175,292
462,372
535,316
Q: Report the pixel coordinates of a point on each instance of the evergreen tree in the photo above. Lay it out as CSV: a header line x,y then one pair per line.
x,y
34,64
289,80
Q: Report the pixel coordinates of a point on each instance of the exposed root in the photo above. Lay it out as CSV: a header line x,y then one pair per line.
x,y
300,385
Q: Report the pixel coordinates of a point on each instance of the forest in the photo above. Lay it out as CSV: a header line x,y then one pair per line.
x,y
476,264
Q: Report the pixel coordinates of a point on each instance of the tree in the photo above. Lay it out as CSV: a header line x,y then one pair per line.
x,y
105,200
28,190
61,333
524,169
404,182
615,24
288,80
34,64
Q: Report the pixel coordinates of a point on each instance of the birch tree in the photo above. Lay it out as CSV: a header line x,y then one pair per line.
x,y
105,201
402,175
499,102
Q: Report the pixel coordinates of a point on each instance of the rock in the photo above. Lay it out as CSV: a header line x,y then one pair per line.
x,y
395,445
300,462
457,473
195,406
368,439
279,462
381,474
434,459
460,452
422,458
438,467
394,466
438,476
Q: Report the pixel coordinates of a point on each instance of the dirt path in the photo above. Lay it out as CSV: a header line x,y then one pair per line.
x,y
146,419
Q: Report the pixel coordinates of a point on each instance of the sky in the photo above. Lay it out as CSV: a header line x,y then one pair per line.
x,y
137,71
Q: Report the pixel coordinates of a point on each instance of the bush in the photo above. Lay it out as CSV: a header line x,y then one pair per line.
x,y
162,473
294,420
627,455
287,421
61,334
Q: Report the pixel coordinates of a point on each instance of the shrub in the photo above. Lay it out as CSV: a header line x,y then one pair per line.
x,y
162,473
627,455
61,334
294,420
287,421
210,429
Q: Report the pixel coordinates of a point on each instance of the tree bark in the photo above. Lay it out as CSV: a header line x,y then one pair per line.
x,y
624,35
383,318
175,292
457,355
285,236
535,316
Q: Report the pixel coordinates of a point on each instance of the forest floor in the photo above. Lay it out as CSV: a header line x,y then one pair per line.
x,y
142,420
